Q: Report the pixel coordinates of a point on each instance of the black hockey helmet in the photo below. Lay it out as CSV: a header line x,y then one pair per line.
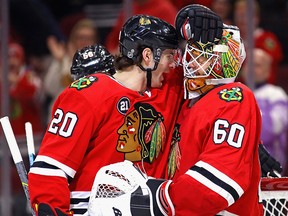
x,y
92,59
147,31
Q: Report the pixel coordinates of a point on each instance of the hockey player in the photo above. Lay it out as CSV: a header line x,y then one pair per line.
x,y
220,129
82,134
92,59
214,159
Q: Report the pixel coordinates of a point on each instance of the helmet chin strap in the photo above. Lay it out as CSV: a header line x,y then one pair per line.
x,y
149,73
149,77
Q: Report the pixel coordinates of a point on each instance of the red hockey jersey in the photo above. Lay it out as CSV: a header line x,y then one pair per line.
x,y
217,140
89,130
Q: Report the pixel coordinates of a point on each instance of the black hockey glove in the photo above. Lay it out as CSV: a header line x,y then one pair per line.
x,y
122,189
199,23
45,209
270,167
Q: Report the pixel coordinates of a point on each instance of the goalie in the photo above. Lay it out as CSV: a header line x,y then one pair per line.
x,y
214,159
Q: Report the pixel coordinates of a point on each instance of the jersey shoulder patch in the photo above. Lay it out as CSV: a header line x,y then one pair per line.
x,y
229,94
83,82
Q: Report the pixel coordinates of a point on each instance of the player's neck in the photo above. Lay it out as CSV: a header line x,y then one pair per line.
x,y
132,79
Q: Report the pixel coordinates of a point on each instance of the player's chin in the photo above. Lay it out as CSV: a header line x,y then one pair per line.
x,y
157,85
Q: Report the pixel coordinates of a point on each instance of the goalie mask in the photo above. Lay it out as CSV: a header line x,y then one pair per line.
x,y
206,65
92,59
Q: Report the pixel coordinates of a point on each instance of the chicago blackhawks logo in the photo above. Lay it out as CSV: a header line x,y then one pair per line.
x,y
83,82
144,21
234,94
142,135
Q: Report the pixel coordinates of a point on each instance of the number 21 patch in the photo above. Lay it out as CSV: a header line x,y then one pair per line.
x,y
123,105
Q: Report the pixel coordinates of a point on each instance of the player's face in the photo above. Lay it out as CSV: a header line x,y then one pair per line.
x,y
196,62
261,67
166,63
128,133
14,64
84,37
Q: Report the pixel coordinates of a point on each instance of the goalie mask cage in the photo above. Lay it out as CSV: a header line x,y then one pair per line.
x,y
274,194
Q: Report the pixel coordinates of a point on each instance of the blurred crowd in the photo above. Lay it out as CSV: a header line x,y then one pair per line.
x,y
44,36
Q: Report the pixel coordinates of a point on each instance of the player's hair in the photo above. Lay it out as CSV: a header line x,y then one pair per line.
x,y
122,62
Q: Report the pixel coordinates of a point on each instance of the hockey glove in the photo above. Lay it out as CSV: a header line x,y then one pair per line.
x,y
270,167
44,209
122,189
199,23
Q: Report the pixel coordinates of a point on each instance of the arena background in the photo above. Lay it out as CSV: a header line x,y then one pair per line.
x,y
34,20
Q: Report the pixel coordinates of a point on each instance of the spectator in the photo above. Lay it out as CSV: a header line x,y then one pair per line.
x,y
273,103
24,91
224,9
58,75
264,39
162,9
182,3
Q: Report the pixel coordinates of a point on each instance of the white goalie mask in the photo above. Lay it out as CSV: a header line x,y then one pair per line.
x,y
212,64
197,63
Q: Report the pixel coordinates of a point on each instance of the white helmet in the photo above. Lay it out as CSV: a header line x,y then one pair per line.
x,y
212,64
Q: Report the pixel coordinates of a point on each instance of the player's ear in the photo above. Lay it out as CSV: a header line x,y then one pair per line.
x,y
147,55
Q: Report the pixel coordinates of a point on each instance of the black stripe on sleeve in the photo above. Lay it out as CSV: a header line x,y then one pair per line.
x,y
216,181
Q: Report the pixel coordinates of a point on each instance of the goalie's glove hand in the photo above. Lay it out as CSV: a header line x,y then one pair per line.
x,y
44,209
270,167
122,189
199,23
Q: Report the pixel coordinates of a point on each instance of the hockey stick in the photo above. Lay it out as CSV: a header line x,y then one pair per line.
x,y
16,155
30,142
